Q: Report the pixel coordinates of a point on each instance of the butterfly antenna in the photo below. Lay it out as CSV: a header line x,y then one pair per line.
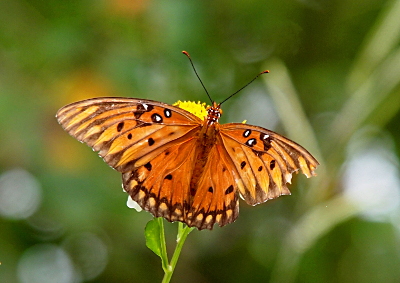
x,y
194,69
264,72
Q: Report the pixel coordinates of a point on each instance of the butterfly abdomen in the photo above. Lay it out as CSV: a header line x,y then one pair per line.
x,y
206,141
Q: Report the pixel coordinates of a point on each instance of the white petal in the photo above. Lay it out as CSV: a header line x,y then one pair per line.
x,y
133,204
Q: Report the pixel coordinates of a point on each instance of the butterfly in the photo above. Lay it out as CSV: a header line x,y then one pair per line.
x,y
183,168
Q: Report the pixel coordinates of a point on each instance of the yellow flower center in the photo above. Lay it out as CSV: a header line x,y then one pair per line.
x,y
198,109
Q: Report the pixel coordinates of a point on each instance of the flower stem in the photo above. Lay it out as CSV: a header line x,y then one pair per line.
x,y
163,246
183,232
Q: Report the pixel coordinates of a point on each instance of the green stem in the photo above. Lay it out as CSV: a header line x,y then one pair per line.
x,y
183,232
164,255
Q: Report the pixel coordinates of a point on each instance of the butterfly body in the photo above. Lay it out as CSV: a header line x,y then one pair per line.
x,y
183,168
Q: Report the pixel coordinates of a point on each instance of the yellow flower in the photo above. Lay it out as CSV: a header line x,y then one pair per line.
x,y
198,109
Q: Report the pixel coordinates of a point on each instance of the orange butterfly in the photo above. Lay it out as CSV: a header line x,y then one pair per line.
x,y
183,168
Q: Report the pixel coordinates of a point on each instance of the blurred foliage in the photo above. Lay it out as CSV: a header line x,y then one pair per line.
x,y
333,87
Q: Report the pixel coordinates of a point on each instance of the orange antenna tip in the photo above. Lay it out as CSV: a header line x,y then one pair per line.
x,y
186,53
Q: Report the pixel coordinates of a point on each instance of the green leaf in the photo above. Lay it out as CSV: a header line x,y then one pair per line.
x,y
152,234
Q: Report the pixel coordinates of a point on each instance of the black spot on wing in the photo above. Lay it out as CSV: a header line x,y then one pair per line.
x,y
129,136
246,133
150,141
210,189
156,118
148,166
251,142
266,140
142,108
242,164
229,190
272,165
120,126
168,177
167,113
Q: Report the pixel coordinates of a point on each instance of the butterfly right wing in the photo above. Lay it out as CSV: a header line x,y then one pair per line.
x,y
264,161
128,132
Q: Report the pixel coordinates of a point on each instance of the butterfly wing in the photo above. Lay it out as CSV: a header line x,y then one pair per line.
x,y
128,132
161,186
264,160
215,197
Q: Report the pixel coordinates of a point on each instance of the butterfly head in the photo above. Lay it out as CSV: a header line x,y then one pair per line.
x,y
214,112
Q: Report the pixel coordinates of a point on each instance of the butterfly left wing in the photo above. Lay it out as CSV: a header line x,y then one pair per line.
x,y
161,186
151,143
127,132
264,160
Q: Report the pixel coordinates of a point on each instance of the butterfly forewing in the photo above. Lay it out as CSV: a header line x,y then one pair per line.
x,y
124,130
264,160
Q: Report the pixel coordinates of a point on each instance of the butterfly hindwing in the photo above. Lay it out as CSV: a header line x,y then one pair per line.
x,y
215,197
161,186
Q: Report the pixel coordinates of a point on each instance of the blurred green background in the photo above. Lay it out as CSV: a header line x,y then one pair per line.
x,y
333,87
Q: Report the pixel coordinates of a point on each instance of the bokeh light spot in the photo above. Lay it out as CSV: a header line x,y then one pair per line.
x,y
45,263
371,181
20,194
89,254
